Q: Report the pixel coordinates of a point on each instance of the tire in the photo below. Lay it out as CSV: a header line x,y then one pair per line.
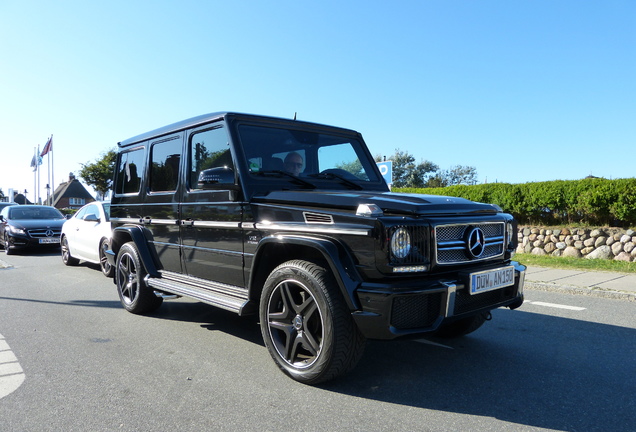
x,y
7,245
67,259
306,325
135,296
107,269
463,326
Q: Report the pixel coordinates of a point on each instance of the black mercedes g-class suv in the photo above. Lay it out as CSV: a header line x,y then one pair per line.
x,y
292,221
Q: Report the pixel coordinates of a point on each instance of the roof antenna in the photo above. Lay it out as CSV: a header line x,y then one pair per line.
x,y
294,116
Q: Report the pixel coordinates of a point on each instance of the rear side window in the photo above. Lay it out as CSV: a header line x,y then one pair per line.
x,y
130,171
164,165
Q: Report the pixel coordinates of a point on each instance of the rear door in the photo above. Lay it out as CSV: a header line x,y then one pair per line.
x,y
161,206
212,209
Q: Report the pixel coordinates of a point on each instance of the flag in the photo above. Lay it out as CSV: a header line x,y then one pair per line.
x,y
34,163
48,146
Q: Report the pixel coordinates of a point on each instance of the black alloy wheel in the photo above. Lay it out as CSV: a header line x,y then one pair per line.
x,y
135,295
306,325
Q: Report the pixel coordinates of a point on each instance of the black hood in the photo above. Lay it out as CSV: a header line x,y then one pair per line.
x,y
389,202
37,223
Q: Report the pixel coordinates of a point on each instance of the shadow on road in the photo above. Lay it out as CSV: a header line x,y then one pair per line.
x,y
511,371
561,375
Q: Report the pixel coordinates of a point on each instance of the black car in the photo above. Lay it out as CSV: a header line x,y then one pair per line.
x,y
23,226
293,221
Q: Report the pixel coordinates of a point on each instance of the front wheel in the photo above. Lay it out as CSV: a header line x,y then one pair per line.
x,y
306,325
67,259
135,295
7,245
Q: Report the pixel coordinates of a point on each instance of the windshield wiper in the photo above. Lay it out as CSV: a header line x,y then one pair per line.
x,y
332,176
297,179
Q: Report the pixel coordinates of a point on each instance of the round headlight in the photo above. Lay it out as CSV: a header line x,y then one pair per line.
x,y
401,243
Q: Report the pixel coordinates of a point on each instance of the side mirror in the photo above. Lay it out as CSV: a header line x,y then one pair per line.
x,y
91,218
215,176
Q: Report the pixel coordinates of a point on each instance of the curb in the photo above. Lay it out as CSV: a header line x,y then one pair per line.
x,y
571,289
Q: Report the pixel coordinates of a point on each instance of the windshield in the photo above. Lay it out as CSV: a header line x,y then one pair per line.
x,y
28,212
306,155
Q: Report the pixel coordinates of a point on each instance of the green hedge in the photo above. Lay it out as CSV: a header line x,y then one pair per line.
x,y
590,201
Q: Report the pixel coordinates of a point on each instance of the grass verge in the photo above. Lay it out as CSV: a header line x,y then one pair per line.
x,y
576,263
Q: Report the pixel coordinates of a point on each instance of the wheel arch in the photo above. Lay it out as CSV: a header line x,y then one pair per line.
x,y
137,235
275,250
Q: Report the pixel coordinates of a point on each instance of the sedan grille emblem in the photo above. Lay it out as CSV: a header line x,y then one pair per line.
x,y
476,243
49,233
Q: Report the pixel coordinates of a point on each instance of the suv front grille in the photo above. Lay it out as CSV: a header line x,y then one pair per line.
x,y
453,242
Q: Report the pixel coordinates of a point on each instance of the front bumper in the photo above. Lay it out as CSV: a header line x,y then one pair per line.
x,y
417,308
22,241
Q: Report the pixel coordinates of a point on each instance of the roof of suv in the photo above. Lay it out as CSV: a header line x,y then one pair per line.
x,y
205,118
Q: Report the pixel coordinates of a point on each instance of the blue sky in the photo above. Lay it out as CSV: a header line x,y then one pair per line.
x,y
522,90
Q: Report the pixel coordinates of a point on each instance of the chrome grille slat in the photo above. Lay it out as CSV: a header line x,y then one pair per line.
x,y
41,233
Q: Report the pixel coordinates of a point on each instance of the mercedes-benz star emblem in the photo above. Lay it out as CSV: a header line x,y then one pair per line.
x,y
476,242
49,233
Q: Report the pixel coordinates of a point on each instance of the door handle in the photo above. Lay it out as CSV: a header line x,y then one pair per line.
x,y
145,220
187,222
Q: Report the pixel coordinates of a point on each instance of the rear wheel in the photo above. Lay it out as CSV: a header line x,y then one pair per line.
x,y
67,259
107,269
135,295
306,325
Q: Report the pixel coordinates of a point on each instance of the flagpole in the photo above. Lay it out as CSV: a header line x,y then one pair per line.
x,y
52,174
38,167
35,176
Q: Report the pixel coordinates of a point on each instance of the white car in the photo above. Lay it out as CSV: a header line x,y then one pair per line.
x,y
86,236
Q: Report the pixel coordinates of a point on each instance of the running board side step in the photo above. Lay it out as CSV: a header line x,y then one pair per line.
x,y
233,299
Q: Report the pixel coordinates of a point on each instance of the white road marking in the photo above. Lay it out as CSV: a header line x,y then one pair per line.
x,y
428,342
554,305
11,373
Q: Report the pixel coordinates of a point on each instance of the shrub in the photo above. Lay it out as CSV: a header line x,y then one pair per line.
x,y
588,201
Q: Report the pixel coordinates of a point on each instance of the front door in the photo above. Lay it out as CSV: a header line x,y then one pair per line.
x,y
211,212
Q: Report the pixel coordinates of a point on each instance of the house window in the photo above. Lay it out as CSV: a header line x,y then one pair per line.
x,y
76,201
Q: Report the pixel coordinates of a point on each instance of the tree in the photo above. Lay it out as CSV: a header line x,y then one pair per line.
x,y
100,174
459,175
406,173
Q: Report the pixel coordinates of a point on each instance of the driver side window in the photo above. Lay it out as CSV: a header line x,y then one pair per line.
x,y
208,150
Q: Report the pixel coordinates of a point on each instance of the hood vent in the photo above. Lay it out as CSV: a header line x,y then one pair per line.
x,y
317,218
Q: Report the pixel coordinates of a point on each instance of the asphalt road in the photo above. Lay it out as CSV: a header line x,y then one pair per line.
x,y
71,359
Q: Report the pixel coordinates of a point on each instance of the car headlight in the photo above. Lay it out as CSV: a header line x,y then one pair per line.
x,y
16,230
401,243
510,233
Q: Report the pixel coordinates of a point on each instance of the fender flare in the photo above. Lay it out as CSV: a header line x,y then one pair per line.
x,y
138,236
338,259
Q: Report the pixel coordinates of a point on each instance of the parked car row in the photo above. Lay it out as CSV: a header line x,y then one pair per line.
x,y
84,236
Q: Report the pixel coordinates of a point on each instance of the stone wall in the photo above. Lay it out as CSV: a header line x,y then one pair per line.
x,y
591,243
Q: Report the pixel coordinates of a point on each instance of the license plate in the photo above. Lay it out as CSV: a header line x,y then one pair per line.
x,y
49,240
491,279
